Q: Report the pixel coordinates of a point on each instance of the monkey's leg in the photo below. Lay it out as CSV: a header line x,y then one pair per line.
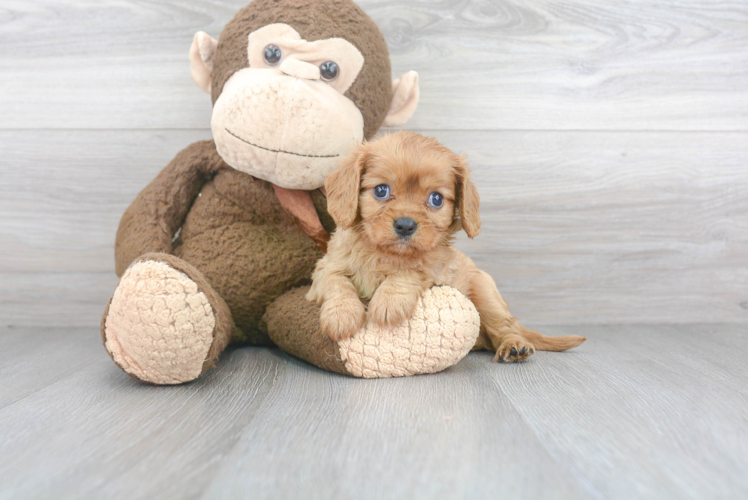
x,y
165,324
443,328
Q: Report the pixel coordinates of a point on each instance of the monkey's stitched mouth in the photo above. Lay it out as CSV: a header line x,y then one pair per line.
x,y
279,150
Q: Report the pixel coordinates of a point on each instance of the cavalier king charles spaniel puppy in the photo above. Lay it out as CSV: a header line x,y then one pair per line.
x,y
397,203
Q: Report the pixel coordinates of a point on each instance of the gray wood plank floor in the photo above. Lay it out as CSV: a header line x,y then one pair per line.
x,y
636,412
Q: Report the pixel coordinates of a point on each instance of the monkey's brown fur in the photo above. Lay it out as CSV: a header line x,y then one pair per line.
x,y
235,240
236,233
209,254
368,259
315,20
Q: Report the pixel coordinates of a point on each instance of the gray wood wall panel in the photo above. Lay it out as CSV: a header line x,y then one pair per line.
x,y
578,227
577,64
608,139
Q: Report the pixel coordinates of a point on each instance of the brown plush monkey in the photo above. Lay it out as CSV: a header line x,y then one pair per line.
x,y
212,249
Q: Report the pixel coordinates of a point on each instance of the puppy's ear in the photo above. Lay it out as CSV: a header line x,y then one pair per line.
x,y
468,201
343,187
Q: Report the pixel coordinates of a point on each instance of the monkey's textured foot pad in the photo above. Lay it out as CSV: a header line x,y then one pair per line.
x,y
159,327
442,330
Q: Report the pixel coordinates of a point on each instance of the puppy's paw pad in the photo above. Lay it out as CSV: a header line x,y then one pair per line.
x,y
514,349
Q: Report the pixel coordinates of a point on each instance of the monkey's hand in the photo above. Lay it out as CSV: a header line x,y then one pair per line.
x,y
341,318
393,303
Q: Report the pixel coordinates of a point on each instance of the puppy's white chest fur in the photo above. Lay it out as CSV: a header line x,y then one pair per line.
x,y
367,270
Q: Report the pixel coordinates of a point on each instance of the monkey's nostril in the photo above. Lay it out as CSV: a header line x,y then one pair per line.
x,y
405,227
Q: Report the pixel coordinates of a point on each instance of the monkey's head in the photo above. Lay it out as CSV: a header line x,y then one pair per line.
x,y
296,84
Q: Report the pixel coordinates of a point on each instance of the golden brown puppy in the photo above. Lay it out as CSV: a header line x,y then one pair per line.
x,y
397,202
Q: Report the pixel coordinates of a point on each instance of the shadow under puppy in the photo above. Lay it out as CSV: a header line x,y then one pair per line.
x,y
397,203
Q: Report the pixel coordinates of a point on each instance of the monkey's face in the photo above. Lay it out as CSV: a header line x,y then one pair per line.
x,y
285,118
296,85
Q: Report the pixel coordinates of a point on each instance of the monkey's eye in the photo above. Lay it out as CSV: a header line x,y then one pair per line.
x,y
382,192
273,54
436,200
329,71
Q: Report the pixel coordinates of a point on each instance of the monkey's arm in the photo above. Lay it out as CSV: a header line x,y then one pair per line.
x,y
152,219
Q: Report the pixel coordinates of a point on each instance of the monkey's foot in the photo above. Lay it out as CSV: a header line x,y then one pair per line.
x,y
160,326
441,331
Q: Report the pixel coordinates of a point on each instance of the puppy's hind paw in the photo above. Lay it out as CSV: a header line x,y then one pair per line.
x,y
514,349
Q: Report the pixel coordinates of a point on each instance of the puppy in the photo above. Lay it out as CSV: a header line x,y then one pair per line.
x,y
397,203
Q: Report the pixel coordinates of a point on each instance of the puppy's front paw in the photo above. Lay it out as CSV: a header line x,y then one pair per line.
x,y
514,349
341,319
390,309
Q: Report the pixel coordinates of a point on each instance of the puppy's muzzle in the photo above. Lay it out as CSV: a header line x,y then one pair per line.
x,y
405,227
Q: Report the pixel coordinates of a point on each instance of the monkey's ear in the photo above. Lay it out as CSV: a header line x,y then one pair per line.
x,y
405,94
201,59
343,187
468,199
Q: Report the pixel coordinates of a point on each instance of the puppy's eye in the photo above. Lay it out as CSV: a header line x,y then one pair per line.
x,y
329,71
273,55
382,192
436,200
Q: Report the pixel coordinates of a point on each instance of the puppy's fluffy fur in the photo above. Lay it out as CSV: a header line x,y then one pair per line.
x,y
369,259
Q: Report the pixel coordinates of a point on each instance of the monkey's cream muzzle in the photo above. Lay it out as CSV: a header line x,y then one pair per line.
x,y
282,122
286,130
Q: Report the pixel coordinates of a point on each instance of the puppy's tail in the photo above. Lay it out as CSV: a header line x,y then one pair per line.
x,y
546,343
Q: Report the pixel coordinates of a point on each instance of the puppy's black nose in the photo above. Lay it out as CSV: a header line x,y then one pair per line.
x,y
405,227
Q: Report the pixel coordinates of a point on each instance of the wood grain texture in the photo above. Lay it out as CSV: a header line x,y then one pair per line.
x,y
630,227
86,442
452,435
610,145
637,411
485,64
632,391
578,227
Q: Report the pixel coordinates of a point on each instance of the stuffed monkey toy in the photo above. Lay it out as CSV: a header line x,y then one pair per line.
x,y
220,246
